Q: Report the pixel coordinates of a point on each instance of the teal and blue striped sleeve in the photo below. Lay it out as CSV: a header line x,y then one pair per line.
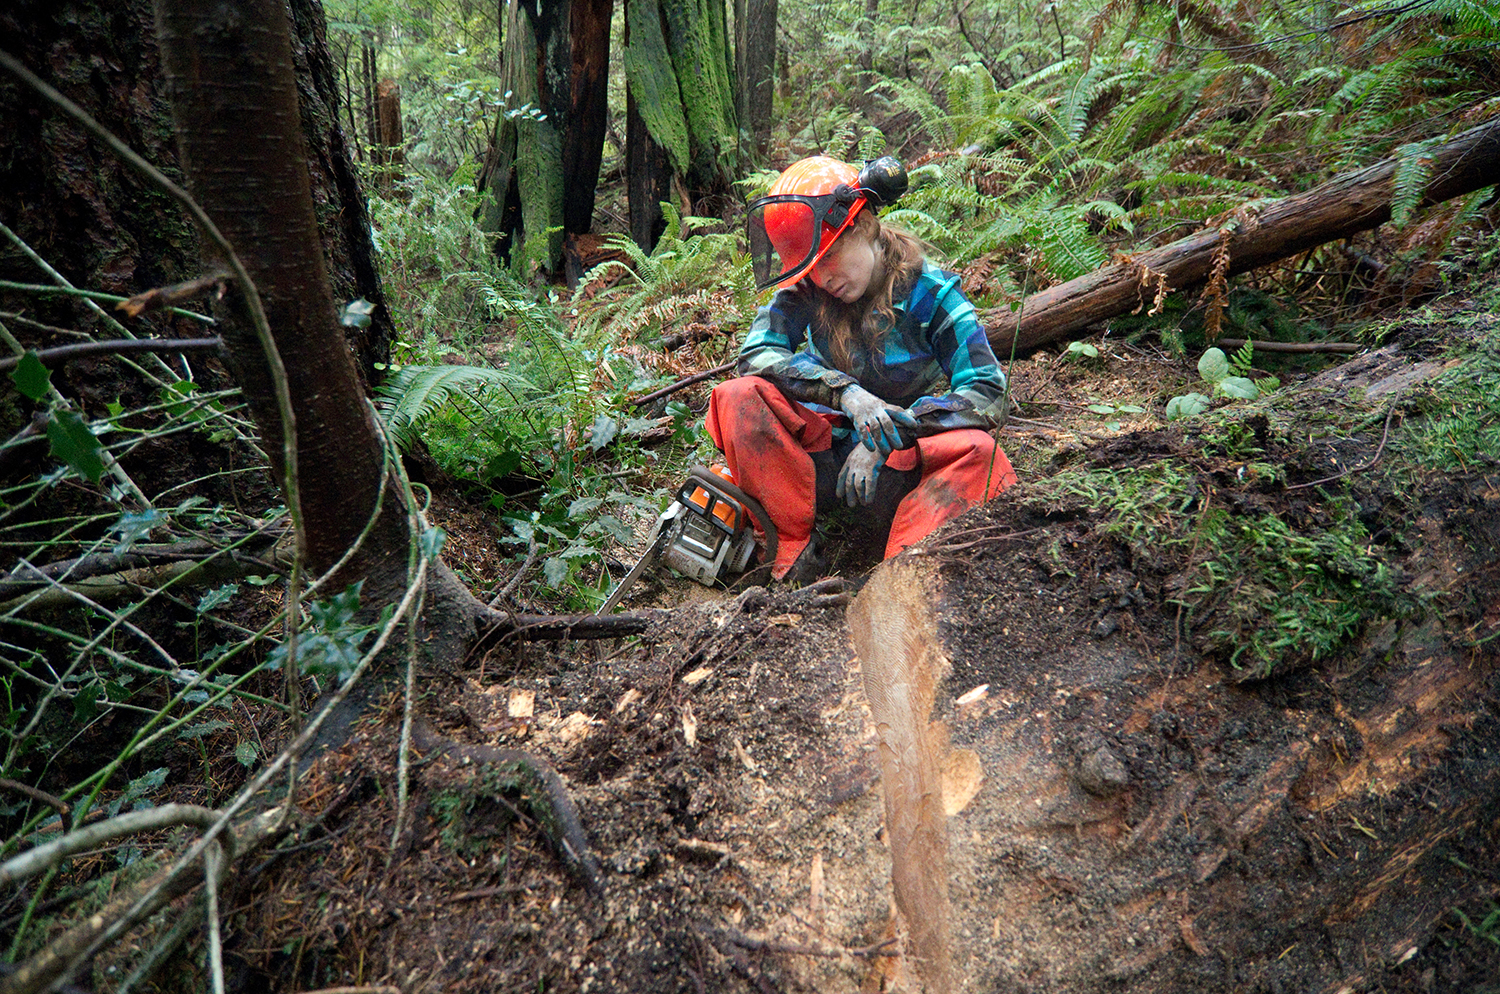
x,y
778,348
945,326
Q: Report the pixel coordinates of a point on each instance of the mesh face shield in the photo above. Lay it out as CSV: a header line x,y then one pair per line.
x,y
790,232
791,229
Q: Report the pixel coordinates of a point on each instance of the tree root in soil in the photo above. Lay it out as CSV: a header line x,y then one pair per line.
x,y
545,795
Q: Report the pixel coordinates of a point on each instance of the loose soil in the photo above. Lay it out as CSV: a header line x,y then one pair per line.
x,y
1149,819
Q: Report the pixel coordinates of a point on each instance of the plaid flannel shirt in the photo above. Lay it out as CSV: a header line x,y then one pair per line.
x,y
935,360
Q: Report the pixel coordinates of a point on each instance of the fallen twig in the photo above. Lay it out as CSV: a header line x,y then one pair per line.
x,y
1335,348
683,383
1384,435
881,948
160,298
34,861
52,358
515,581
551,627
56,803
951,546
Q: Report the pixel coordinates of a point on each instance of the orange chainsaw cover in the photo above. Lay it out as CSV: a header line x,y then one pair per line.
x,y
766,440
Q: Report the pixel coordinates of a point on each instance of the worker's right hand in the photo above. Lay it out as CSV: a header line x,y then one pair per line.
x,y
874,420
856,483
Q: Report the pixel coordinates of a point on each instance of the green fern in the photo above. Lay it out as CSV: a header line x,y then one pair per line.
x,y
658,289
1413,170
412,395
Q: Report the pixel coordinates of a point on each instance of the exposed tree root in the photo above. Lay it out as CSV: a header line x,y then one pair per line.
x,y
546,796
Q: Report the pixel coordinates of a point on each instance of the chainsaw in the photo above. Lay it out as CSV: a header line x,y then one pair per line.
x,y
708,532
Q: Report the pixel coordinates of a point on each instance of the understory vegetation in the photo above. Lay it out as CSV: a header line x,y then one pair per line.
x,y
1042,143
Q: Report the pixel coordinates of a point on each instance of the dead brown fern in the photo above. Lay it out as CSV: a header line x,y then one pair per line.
x,y
1216,290
1154,280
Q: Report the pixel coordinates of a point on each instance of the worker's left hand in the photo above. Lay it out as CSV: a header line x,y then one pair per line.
x,y
857,479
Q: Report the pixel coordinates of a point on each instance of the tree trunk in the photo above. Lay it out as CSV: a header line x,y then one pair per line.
x,y
755,62
93,219
389,153
583,141
677,69
226,67
1341,207
543,165
338,199
648,177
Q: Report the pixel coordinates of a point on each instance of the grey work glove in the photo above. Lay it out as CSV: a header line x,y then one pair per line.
x,y
857,479
874,420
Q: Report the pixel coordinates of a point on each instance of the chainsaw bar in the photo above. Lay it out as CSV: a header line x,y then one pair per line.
x,y
658,546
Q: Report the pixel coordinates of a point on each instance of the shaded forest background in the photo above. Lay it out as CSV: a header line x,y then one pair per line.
x,y
526,241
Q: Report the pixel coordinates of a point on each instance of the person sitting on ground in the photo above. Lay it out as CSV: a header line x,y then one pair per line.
x,y
867,379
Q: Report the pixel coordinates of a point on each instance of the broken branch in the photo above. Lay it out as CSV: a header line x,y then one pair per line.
x,y
52,358
161,298
683,383
553,627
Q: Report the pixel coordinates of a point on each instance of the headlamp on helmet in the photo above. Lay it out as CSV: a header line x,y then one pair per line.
x,y
809,206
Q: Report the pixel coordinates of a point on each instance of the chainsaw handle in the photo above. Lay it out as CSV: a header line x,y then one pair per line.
x,y
751,504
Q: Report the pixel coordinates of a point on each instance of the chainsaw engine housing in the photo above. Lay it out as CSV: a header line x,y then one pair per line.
x,y
710,532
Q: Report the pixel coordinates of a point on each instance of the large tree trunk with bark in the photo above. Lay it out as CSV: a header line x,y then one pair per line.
x,y
1343,206
754,65
104,228
677,68
543,165
224,69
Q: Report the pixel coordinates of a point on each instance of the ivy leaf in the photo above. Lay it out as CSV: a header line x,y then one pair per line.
x,y
217,597
246,752
1237,387
431,541
134,526
31,377
583,505
85,702
500,465
620,530
604,431
1102,408
74,444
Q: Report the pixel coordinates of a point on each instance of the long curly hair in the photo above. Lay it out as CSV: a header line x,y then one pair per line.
x,y
862,324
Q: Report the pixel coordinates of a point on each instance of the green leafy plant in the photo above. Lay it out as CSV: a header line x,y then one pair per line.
x,y
335,639
682,276
1110,410
1228,378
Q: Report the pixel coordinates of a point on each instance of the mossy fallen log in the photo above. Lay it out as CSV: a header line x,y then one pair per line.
x,y
1347,204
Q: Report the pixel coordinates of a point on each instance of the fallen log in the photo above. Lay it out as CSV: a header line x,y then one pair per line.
x,y
1345,205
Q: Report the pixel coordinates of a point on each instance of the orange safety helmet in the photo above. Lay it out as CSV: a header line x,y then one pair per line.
x,y
809,206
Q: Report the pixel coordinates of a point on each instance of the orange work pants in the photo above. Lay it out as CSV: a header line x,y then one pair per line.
x,y
767,441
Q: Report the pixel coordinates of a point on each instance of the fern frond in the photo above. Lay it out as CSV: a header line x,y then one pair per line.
x,y
1413,170
412,394
1067,246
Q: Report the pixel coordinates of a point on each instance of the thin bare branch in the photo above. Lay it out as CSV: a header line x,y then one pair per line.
x,y
36,860
52,358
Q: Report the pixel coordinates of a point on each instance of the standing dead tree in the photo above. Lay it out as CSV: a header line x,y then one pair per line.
x,y
1345,205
